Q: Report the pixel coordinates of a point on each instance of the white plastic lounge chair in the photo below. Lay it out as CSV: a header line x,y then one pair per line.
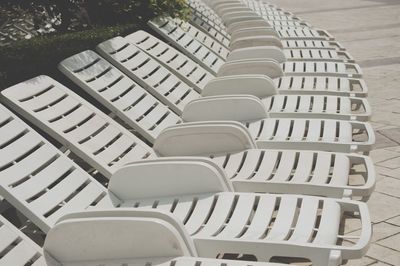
x,y
85,66
276,19
272,14
244,39
221,46
90,238
226,14
216,29
198,77
261,5
328,135
286,26
213,61
106,146
84,240
206,83
192,196
16,249
340,137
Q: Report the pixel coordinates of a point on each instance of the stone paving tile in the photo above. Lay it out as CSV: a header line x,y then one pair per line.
x,y
395,148
392,163
383,230
383,207
394,220
392,242
384,254
382,141
361,262
379,263
394,133
383,172
389,186
380,155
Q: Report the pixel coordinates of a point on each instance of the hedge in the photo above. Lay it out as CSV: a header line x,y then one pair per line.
x,y
29,58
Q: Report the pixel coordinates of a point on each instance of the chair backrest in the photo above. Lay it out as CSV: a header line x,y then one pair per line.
x,y
209,25
203,37
75,123
187,44
39,180
16,248
183,66
148,72
120,94
119,239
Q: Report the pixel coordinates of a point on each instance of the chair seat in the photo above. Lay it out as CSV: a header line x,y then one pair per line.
x,y
316,134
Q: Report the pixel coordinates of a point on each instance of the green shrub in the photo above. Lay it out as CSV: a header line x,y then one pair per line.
x,y
29,58
106,12
75,13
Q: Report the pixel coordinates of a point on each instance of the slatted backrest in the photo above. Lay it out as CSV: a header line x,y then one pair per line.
x,y
187,44
120,94
75,123
148,72
183,66
209,16
39,180
217,32
204,38
16,249
205,12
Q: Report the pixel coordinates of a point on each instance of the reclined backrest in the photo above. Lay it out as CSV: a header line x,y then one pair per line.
x,y
99,240
16,248
119,93
187,44
149,73
183,66
39,180
76,124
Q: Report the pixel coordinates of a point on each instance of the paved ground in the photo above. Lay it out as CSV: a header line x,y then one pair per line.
x,y
370,30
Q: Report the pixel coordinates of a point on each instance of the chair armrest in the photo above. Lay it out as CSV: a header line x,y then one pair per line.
x,y
239,108
346,56
365,128
326,34
256,52
354,68
361,245
269,68
160,178
260,22
269,35
203,139
95,228
260,86
360,105
369,177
